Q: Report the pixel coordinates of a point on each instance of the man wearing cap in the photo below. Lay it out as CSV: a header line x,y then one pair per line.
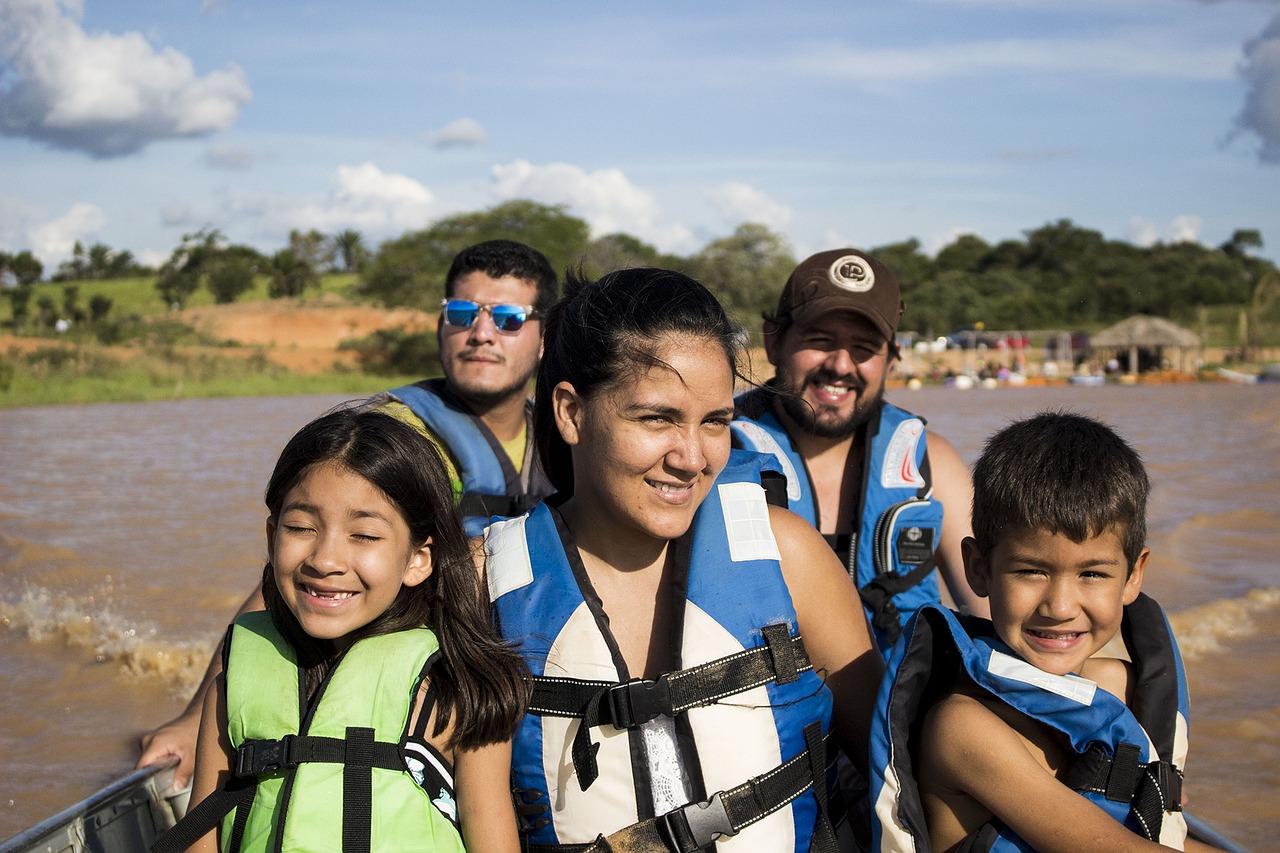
x,y
891,498
479,416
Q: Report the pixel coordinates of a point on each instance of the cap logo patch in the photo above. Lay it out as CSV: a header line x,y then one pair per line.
x,y
853,273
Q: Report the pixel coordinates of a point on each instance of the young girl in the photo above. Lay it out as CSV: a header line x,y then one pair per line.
x,y
373,680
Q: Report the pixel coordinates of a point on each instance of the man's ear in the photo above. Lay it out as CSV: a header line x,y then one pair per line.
x,y
1133,583
977,569
420,565
567,405
772,335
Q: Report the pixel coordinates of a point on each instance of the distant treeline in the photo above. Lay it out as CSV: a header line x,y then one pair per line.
x,y
1057,276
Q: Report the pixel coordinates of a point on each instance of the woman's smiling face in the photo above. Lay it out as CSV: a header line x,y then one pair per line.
x,y
647,449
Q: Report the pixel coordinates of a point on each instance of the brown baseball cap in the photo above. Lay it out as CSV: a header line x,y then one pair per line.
x,y
842,280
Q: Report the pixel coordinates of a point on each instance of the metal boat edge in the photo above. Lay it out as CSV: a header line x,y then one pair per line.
x,y
124,817
128,815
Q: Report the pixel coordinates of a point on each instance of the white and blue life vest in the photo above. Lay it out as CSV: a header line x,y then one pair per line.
x,y
749,714
1128,761
491,486
892,553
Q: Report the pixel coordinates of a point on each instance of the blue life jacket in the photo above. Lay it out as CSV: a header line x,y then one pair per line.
x,y
893,551
1128,761
491,486
750,714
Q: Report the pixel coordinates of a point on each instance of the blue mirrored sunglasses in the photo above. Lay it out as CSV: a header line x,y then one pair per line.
x,y
508,319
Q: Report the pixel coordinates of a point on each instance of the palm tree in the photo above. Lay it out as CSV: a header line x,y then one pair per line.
x,y
351,248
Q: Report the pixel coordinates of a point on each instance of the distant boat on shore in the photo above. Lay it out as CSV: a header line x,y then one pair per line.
x,y
1238,377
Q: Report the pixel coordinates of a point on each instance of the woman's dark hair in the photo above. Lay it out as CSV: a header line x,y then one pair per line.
x,y
603,332
479,679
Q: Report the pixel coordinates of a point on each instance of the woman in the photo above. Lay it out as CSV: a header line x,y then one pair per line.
x,y
658,599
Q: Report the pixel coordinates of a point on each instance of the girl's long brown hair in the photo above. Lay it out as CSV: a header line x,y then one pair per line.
x,y
480,680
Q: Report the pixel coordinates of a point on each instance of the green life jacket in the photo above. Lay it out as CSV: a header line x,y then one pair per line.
x,y
334,778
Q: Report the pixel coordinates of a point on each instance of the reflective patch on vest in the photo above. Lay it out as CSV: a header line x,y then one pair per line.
x,y
508,567
746,518
766,443
1071,687
900,469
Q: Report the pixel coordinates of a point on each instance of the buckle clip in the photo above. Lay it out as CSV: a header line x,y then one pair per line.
x,y
696,825
255,757
634,703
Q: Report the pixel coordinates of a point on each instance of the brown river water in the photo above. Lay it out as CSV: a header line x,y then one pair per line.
x,y
129,533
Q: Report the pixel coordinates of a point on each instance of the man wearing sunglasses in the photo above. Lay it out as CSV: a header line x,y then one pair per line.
x,y
479,415
490,339
891,498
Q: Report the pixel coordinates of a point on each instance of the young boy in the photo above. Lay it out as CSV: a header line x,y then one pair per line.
x,y
1022,732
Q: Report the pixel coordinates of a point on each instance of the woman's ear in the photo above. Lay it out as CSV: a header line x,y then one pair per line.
x,y
568,408
977,571
420,564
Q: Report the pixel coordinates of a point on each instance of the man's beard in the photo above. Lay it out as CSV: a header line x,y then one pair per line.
x,y
826,421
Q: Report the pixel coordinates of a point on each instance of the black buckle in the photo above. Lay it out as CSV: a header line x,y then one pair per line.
x,y
696,825
636,702
1169,781
255,757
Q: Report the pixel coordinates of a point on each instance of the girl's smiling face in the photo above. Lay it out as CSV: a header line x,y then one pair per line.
x,y
1055,601
340,550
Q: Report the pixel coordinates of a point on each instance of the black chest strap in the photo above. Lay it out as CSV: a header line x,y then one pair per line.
x,y
695,826
629,704
1150,789
358,752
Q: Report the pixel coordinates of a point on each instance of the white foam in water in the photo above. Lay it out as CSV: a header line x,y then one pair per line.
x,y
46,616
1203,630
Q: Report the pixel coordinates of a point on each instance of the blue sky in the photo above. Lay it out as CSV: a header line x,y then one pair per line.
x,y
132,122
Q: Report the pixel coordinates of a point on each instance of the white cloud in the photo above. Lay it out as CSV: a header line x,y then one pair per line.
x,y
365,198
1185,229
152,257
1261,111
739,203
935,243
461,133
106,95
1181,229
53,241
605,198
1142,232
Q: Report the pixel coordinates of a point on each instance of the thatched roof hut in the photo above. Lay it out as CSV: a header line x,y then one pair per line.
x,y
1149,334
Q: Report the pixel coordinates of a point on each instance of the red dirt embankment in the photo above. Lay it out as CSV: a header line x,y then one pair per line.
x,y
302,337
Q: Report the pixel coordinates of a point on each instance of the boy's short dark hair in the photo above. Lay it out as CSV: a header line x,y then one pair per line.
x,y
498,258
1061,472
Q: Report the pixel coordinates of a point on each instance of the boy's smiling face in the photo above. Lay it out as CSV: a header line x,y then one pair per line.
x,y
1055,602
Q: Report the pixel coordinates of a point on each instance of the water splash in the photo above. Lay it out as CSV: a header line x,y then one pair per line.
x,y
1203,630
89,625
